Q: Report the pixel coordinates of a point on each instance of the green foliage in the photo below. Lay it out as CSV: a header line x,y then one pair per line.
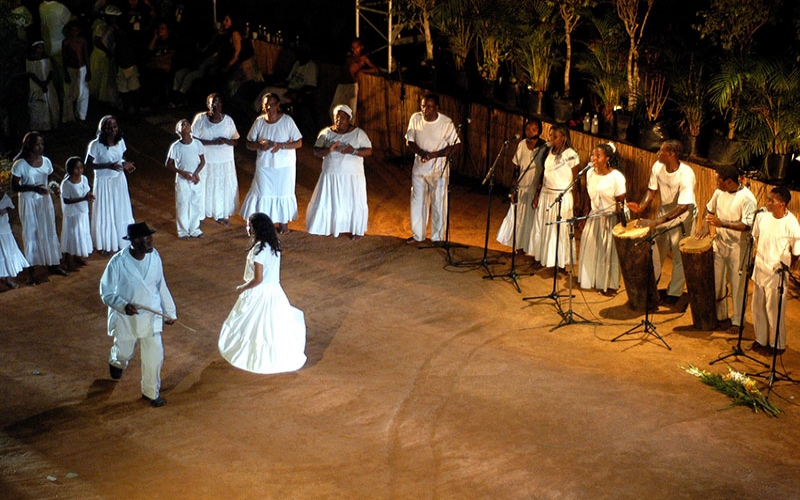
x,y
454,19
689,91
602,63
732,24
535,45
494,26
12,50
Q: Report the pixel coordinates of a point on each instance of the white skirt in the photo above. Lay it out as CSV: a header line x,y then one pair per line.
x,y
272,193
111,213
11,259
222,189
544,250
76,239
599,264
263,332
338,205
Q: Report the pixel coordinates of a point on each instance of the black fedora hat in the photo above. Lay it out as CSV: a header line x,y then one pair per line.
x,y
138,230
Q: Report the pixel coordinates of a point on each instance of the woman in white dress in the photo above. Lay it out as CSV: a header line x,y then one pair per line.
x,y
528,167
29,178
103,85
112,209
218,133
275,137
599,264
560,167
76,196
12,261
43,106
339,202
263,333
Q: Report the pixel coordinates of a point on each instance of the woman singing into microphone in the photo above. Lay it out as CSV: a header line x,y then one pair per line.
x,y
599,264
560,167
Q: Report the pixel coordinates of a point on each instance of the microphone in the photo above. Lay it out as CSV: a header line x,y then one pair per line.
x,y
467,121
622,218
586,168
547,144
683,229
760,210
516,136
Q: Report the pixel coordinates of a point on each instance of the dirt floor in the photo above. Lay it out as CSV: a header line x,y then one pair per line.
x,y
423,381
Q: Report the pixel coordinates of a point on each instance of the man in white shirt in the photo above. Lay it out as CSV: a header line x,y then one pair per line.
x,y
730,210
675,182
431,136
132,286
778,235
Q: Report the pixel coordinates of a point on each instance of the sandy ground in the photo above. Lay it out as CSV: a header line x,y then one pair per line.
x,y
423,381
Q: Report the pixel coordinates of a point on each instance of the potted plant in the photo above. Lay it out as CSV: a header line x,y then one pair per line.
x,y
770,118
571,12
689,95
605,68
654,96
453,18
731,26
628,12
535,51
493,33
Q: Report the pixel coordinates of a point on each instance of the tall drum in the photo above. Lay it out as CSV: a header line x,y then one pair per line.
x,y
698,267
636,265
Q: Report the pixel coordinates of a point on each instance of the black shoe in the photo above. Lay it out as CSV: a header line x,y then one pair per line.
x,y
155,403
670,300
116,373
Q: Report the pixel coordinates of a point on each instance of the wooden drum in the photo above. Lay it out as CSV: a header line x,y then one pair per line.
x,y
698,267
636,265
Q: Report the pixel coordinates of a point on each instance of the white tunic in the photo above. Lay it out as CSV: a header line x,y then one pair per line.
x,y
76,238
263,332
189,197
37,214
272,191
339,202
128,281
219,174
112,210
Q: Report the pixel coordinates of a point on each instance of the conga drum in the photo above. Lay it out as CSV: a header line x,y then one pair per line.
x,y
698,267
636,265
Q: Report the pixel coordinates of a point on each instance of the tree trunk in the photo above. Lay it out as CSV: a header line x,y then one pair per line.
x,y
426,27
567,64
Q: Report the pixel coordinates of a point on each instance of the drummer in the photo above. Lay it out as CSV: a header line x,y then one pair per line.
x,y
730,210
675,183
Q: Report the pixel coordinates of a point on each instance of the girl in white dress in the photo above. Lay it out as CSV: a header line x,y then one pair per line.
x,y
29,178
12,261
599,263
112,209
76,195
339,202
263,333
275,137
560,167
218,133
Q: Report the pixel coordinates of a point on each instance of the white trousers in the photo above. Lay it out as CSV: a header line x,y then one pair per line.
x,y
765,315
429,196
670,242
152,352
190,207
76,95
727,263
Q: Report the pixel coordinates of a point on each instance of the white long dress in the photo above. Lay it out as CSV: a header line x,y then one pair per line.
x,y
219,174
557,176
76,238
103,85
11,259
339,202
112,210
528,181
272,191
37,215
264,333
599,263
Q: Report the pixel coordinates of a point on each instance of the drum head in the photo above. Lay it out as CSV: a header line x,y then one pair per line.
x,y
694,245
630,231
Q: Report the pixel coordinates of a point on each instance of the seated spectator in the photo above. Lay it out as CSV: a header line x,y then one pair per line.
x,y
158,65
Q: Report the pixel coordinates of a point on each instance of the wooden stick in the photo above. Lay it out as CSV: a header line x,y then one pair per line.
x,y
165,317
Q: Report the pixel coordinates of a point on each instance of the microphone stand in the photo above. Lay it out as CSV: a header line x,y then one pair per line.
x,y
746,269
774,374
569,315
553,295
446,243
649,328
